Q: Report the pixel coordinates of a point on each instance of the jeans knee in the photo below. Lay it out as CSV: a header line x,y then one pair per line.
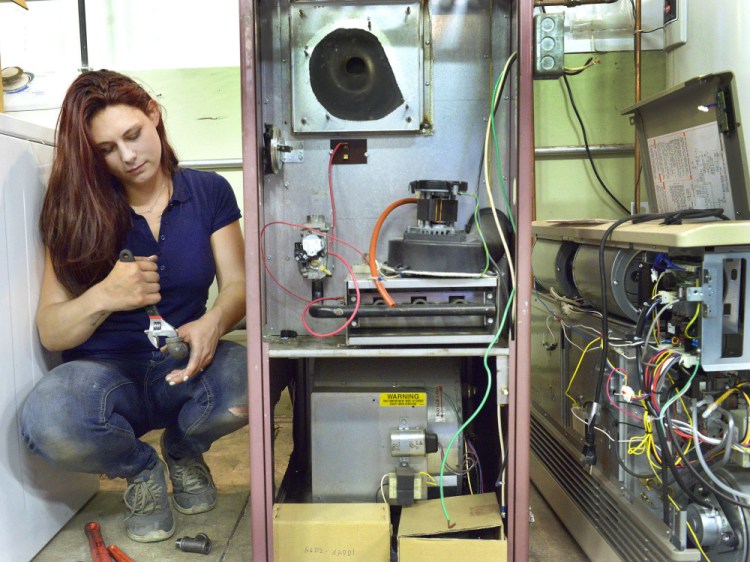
x,y
239,411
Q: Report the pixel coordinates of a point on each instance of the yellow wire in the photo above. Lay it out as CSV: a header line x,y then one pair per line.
x,y
656,285
641,441
585,350
695,316
674,503
468,476
692,320
431,477
684,406
690,528
597,60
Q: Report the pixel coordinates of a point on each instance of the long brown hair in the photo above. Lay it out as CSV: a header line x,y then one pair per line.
x,y
85,217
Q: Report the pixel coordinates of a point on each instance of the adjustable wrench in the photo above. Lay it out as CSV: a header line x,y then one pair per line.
x,y
158,327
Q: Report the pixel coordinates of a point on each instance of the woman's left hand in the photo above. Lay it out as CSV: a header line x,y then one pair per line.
x,y
202,336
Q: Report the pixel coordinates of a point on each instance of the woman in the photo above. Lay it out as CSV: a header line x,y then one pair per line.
x,y
115,184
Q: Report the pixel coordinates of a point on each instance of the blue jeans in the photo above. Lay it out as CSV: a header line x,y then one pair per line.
x,y
87,415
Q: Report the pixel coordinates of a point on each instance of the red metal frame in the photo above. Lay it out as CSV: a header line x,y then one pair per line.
x,y
261,459
519,437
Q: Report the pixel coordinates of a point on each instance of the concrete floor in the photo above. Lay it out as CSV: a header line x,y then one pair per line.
x,y
228,525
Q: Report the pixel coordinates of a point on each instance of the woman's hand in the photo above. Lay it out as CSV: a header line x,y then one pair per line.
x,y
202,336
131,285
229,307
65,321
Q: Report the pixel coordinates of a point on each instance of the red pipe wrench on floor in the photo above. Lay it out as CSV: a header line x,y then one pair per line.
x,y
158,327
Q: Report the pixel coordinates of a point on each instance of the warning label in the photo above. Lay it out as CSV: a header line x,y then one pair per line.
x,y
403,399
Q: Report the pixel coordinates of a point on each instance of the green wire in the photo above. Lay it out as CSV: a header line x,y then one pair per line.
x,y
677,396
479,230
498,163
481,405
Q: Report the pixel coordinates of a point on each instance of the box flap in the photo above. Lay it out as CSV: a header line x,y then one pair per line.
x,y
330,512
450,550
480,511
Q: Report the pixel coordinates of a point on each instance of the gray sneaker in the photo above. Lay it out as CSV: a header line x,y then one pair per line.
x,y
150,518
193,488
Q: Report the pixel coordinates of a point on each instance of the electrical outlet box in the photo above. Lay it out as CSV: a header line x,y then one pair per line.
x,y
549,47
675,24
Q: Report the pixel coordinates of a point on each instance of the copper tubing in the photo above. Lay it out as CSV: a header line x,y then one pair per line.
x,y
571,3
374,247
637,54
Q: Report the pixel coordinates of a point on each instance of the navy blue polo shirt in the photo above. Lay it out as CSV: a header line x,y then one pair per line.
x,y
201,204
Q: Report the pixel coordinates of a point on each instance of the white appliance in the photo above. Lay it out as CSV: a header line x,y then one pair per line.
x,y
37,500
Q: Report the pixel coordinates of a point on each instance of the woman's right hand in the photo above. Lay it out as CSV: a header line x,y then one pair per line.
x,y
132,285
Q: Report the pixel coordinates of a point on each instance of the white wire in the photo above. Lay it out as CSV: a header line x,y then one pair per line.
x,y
488,185
553,343
382,482
656,319
502,455
702,460
572,305
687,428
585,422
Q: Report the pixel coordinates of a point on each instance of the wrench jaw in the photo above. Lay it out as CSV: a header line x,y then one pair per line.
x,y
152,338
158,327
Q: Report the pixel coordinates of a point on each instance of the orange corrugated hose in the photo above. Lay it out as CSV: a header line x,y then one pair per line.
x,y
374,247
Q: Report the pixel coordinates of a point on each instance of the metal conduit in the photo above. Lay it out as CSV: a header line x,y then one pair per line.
x,y
564,151
218,164
574,151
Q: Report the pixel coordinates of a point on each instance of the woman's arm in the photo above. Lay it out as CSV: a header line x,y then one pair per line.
x,y
203,334
65,321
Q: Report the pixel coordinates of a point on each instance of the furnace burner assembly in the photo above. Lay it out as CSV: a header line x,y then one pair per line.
x,y
438,285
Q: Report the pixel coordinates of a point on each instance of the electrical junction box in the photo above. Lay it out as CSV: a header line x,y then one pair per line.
x,y
477,535
693,152
549,47
360,532
675,24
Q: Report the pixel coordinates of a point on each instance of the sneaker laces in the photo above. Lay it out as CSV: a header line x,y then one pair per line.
x,y
193,478
141,498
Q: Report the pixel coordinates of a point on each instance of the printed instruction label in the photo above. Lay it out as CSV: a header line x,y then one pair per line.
x,y
690,170
439,406
403,399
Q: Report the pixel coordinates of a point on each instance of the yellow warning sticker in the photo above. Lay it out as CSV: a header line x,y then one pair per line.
x,y
403,399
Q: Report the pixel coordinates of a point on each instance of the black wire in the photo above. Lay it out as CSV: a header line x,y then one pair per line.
x,y
669,218
588,149
667,458
683,457
590,437
643,32
584,67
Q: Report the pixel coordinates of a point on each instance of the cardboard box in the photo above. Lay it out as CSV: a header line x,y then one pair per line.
x,y
355,532
423,533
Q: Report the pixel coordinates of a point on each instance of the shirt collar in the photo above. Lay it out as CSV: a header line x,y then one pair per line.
x,y
180,192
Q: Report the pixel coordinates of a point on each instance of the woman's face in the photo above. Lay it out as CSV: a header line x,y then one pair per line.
x,y
129,142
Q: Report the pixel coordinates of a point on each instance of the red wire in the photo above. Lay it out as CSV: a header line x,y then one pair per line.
x,y
265,262
349,320
623,410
